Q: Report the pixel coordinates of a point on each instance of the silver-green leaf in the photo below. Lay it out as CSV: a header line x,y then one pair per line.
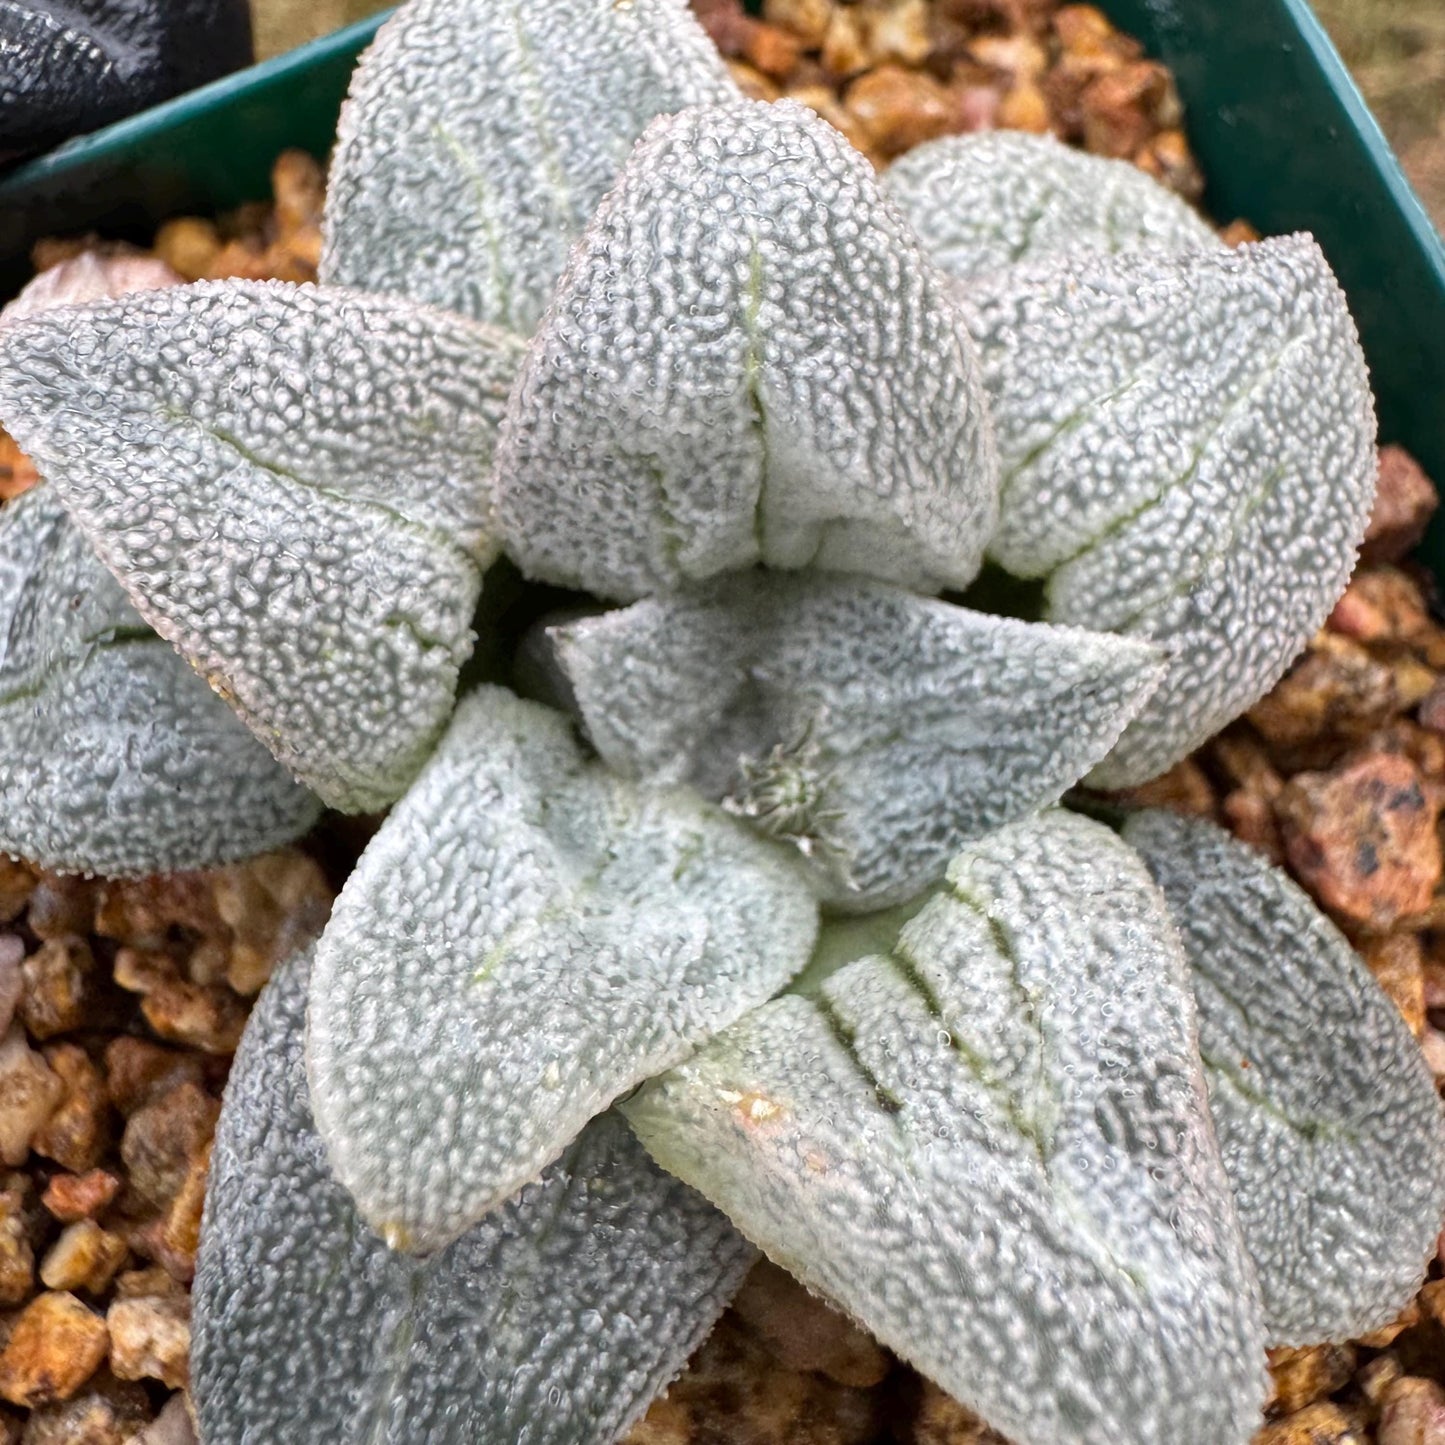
x,y
875,730
749,359
1327,1115
118,759
527,938
289,481
480,135
1188,456
555,1320
983,202
992,1147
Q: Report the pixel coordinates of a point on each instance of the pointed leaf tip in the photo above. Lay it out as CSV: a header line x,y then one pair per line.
x,y
1188,448
1327,1115
981,203
480,135
118,759
875,730
226,450
749,359
525,939
557,1319
992,1147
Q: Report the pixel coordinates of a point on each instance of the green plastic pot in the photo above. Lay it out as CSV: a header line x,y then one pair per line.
x,y
1283,135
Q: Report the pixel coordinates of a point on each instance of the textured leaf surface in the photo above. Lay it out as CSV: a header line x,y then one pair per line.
x,y
1188,456
983,202
1326,1114
289,482
993,1148
118,759
877,730
481,134
526,938
749,359
555,1320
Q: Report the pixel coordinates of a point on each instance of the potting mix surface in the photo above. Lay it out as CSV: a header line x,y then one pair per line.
x,y
125,1000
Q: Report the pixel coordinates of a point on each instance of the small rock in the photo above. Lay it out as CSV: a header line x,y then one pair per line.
x,y
1363,840
845,45
59,987
1381,604
163,1139
825,103
71,1197
1183,789
804,1334
1249,815
1376,1377
772,50
57,1344
78,1132
1302,1376
899,32
941,1420
1025,107
807,19
17,475
753,83
173,1426
298,186
88,277
84,1257
150,1339
1169,160
137,1072
12,977
62,904
151,912
17,883
1122,109
1412,1412
1398,963
17,1256
1337,692
1323,1423
1405,500
181,1233
1386,1335
1432,1300
1085,30
898,109
29,1093
210,1018
148,1283
188,245
107,1412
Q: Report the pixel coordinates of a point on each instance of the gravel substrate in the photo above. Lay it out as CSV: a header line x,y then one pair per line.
x,y
120,1003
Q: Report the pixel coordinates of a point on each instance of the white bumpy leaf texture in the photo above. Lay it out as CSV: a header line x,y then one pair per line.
x,y
983,202
290,483
118,758
1188,453
527,938
1326,1113
992,1147
876,730
480,135
556,1320
749,359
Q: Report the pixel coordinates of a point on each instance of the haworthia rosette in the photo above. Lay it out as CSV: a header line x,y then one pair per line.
x,y
527,938
555,1320
1188,456
992,1147
480,135
749,359
1327,1115
983,202
118,758
876,730
289,481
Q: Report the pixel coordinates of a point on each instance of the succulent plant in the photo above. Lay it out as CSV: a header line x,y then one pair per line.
x,y
1075,1118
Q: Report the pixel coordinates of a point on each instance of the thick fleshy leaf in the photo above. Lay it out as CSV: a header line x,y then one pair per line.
x,y
1188,456
525,939
992,1147
118,759
555,1320
480,135
876,730
749,359
982,202
290,484
1327,1116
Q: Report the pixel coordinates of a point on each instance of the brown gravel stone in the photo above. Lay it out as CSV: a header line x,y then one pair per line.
x,y
62,904
62,989
1303,1376
137,1071
1381,604
72,1197
1323,1423
172,1426
84,1257
164,1138
941,1420
1363,839
1405,500
805,1334
1386,1335
1398,963
1376,1377
1337,692
17,1257
209,1018
1412,1412
78,1132
17,475
273,906
897,108
807,19
106,1412
17,883
1183,789
56,1346
188,245
150,1339
181,1230
29,1093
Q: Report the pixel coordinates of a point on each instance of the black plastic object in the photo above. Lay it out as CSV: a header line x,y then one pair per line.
x,y
76,65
